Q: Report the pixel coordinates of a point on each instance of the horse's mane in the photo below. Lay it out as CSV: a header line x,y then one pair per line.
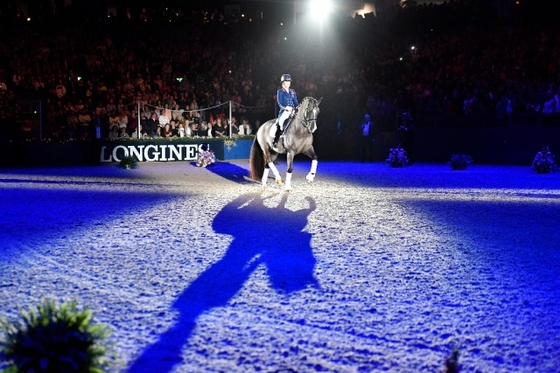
x,y
307,100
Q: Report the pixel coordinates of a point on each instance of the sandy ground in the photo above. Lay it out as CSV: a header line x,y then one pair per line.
x,y
370,269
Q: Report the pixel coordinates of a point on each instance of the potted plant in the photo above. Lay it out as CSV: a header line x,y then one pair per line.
x,y
128,162
460,161
397,158
54,338
543,163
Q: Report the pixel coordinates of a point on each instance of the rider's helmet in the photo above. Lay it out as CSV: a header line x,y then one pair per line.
x,y
285,78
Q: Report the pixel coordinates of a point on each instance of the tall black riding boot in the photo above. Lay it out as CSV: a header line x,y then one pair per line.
x,y
277,136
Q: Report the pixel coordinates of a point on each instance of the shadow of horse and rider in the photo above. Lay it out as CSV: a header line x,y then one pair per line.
x,y
272,237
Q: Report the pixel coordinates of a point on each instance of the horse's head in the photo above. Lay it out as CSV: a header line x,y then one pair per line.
x,y
311,111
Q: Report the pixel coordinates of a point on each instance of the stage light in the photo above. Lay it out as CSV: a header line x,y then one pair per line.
x,y
320,9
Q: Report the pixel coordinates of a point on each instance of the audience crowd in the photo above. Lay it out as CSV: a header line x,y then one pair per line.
x,y
176,73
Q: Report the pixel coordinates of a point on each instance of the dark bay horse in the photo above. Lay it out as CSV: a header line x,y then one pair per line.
x,y
297,139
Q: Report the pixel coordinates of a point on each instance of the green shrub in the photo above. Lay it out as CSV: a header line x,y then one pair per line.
x,y
128,162
53,338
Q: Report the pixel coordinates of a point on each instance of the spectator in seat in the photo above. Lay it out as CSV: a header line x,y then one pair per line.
x,y
218,129
151,125
245,128
202,129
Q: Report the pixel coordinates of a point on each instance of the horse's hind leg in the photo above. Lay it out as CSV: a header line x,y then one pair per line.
x,y
289,171
270,166
265,176
277,176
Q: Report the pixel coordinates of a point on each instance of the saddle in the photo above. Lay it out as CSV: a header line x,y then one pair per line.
x,y
279,133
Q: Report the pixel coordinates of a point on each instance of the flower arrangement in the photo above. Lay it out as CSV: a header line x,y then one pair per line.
x,y
54,338
543,162
460,161
397,157
128,162
205,157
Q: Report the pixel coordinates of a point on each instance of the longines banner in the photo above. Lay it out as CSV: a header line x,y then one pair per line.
x,y
154,152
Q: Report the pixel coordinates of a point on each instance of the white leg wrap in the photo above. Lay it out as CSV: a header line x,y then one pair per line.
x,y
288,185
277,176
265,176
313,167
311,175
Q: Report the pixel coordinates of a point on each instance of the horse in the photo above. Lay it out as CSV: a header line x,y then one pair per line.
x,y
297,138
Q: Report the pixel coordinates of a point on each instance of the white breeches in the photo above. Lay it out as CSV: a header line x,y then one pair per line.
x,y
285,114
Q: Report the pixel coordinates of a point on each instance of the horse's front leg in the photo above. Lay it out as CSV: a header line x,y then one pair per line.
x,y
311,175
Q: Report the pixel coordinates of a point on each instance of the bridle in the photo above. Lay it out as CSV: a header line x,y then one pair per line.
x,y
310,114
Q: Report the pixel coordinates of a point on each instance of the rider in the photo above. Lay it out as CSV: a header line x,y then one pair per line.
x,y
287,101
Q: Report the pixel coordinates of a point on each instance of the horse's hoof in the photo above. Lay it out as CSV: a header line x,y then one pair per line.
x,y
309,179
279,182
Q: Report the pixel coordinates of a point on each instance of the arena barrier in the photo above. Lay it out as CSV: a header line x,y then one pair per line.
x,y
514,145
44,153
174,150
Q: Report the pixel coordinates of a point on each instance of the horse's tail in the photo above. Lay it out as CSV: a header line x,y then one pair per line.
x,y
256,161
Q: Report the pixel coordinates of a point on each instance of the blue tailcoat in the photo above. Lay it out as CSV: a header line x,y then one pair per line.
x,y
285,99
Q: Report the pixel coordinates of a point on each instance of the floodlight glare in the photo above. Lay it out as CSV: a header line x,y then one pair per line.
x,y
320,8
